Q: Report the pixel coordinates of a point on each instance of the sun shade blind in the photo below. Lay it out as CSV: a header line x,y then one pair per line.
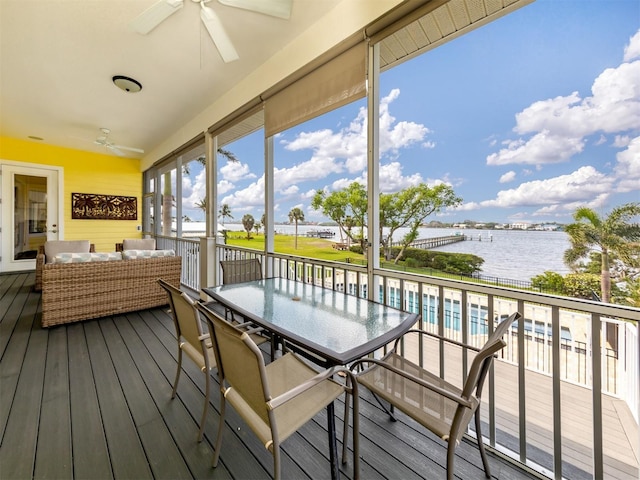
x,y
336,83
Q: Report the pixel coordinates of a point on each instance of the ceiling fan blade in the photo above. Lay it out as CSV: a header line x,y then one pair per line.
x,y
218,34
155,15
130,149
273,8
116,150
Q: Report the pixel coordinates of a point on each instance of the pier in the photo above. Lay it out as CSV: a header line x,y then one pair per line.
x,y
321,233
427,243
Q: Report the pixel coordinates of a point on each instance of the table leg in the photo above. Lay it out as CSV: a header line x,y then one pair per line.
x,y
333,444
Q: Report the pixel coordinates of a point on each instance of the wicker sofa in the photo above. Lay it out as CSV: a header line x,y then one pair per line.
x,y
72,292
56,247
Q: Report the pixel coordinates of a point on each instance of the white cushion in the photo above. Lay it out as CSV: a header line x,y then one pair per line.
x,y
87,257
139,244
134,254
54,247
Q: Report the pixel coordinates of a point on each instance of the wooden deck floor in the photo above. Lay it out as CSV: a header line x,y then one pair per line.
x,y
92,400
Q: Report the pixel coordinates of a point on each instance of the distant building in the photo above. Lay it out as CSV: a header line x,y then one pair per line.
x,y
520,226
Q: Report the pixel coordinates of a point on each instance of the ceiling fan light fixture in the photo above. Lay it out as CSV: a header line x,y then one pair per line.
x,y
127,84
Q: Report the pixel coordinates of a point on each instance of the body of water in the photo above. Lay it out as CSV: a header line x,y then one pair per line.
x,y
510,254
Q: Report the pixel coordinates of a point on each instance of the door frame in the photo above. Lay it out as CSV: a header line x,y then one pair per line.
x,y
8,167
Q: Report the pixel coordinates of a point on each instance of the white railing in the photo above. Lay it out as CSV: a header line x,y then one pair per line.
x,y
563,399
189,250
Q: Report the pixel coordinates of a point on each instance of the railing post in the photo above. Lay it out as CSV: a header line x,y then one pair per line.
x,y
208,270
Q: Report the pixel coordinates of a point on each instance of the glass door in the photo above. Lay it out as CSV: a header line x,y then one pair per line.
x,y
29,214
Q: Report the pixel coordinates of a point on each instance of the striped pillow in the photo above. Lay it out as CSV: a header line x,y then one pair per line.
x,y
86,257
135,254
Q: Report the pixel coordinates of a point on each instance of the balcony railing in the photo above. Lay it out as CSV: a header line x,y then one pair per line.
x,y
563,398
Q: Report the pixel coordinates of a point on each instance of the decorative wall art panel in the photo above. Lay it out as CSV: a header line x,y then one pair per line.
x,y
94,206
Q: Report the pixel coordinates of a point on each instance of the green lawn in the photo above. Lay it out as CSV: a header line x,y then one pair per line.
x,y
307,247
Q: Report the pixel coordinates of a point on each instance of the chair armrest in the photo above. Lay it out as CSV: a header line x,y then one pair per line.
x,y
312,382
435,388
437,337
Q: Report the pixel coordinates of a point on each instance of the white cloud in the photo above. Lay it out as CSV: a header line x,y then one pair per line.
x,y
621,141
248,198
632,50
544,147
508,177
558,127
628,168
333,152
562,192
235,171
193,191
225,186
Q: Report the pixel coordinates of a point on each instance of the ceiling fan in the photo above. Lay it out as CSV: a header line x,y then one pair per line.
x,y
162,9
104,141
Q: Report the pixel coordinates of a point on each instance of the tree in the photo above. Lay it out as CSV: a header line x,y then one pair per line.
x,y
549,282
167,203
408,208
346,207
202,204
247,223
611,235
296,215
225,212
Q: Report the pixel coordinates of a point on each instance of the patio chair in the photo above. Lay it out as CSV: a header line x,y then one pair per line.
x,y
441,407
275,400
191,340
242,270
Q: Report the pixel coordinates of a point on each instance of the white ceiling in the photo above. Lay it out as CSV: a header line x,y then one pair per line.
x,y
58,57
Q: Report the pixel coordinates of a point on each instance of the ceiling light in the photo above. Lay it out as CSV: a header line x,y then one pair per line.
x,y
127,84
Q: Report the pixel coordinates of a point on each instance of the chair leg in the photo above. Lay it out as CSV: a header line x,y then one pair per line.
x,y
356,429
356,433
206,405
276,462
345,429
175,382
483,453
216,451
451,456
389,411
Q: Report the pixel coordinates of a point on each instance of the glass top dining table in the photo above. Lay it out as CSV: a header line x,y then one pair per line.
x,y
336,327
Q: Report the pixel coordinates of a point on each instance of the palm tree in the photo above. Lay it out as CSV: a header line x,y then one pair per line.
x,y
167,194
614,234
296,215
202,204
224,212
247,223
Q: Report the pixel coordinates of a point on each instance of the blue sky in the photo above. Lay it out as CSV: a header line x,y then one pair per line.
x,y
527,118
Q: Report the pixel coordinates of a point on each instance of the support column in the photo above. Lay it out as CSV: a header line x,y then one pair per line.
x,y
373,168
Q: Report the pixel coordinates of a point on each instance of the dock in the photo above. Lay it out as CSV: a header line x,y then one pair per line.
x,y
427,243
321,233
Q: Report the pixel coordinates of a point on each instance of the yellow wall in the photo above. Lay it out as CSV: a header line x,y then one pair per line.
x,y
86,172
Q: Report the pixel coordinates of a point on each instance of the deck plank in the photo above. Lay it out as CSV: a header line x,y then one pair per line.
x,y
54,455
92,400
161,451
22,425
128,458
90,451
